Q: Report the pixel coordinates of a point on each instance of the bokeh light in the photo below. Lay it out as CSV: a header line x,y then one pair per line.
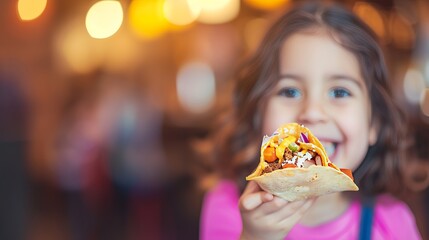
x,y
75,49
266,4
104,19
196,87
371,16
146,18
121,52
31,9
254,31
413,85
216,11
402,33
181,12
80,53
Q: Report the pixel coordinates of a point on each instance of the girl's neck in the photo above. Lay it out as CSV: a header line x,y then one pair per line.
x,y
326,208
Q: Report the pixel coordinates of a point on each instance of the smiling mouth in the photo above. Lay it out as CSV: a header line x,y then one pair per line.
x,y
330,148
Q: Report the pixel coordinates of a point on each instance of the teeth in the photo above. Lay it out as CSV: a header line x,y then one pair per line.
x,y
329,147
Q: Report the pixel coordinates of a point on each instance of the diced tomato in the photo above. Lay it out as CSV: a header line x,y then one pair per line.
x,y
318,161
348,172
333,166
289,165
270,154
308,163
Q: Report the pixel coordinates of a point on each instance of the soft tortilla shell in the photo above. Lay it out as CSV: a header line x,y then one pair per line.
x,y
294,184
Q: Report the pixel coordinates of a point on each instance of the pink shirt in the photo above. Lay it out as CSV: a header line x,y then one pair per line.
x,y
220,219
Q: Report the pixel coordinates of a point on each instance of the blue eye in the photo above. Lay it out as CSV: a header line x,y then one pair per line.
x,y
339,93
290,92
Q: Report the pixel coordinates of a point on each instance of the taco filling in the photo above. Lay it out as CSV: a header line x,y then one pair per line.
x,y
290,152
294,165
286,153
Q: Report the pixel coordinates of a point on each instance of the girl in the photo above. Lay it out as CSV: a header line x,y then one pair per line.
x,y
320,66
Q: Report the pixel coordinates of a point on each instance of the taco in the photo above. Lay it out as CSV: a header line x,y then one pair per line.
x,y
294,166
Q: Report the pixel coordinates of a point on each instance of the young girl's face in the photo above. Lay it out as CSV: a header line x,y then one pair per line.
x,y
321,86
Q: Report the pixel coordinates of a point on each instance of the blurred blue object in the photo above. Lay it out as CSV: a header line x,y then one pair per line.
x,y
136,161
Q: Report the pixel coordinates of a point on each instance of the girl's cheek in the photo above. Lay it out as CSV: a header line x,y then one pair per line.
x,y
353,120
347,119
277,113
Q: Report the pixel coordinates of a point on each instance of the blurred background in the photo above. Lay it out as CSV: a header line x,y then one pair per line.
x,y
106,108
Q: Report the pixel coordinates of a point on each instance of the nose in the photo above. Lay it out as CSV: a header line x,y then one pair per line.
x,y
313,111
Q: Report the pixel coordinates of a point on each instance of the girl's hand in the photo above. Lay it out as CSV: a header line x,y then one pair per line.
x,y
266,216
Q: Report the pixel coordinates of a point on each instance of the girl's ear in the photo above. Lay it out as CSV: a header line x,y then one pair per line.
x,y
373,133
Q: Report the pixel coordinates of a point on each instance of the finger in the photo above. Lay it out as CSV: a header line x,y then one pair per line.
x,y
287,210
254,200
300,211
251,187
273,206
253,196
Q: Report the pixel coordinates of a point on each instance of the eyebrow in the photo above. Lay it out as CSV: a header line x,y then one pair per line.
x,y
331,77
346,77
290,76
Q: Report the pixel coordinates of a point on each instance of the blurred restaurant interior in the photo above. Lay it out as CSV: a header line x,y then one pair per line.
x,y
106,108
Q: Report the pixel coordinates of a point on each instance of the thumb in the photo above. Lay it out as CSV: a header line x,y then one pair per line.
x,y
251,187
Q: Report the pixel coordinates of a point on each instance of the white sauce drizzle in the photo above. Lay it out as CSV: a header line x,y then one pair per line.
x,y
299,159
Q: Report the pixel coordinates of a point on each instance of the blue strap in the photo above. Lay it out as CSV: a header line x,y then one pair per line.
x,y
366,219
